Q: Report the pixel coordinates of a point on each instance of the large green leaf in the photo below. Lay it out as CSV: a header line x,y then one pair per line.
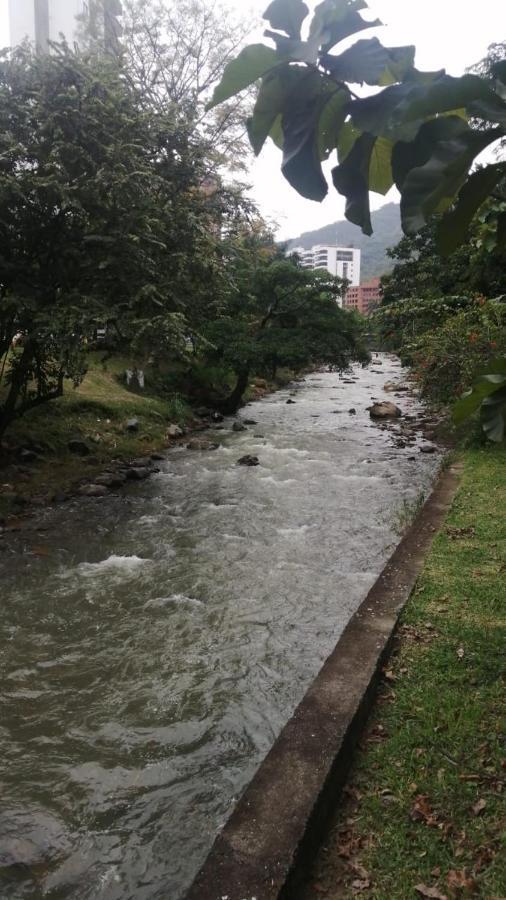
x,y
381,177
447,93
293,49
252,63
398,111
272,97
351,179
453,228
488,394
493,415
301,153
331,122
430,170
287,16
335,20
369,61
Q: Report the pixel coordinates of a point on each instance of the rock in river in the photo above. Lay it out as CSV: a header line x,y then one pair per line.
x,y
92,490
248,461
238,426
197,444
385,410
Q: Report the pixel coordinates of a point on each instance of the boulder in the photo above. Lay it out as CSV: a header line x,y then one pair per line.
x,y
138,473
141,462
248,461
79,447
92,490
290,401
352,412
428,448
28,456
157,457
111,479
238,426
385,410
250,422
198,444
132,425
174,431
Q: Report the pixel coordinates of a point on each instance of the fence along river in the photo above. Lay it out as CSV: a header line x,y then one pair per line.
x,y
156,641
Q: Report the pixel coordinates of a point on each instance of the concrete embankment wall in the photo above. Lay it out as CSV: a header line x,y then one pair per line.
x,y
282,816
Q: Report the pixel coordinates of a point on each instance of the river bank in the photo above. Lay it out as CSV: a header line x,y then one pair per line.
x,y
96,439
158,639
423,810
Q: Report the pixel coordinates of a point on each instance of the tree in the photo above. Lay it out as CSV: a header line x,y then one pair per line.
x,y
103,222
280,315
175,53
415,131
475,268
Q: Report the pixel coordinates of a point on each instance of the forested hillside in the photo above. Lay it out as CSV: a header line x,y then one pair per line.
x,y
387,233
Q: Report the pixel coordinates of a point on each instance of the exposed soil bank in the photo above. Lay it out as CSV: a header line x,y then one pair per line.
x,y
281,818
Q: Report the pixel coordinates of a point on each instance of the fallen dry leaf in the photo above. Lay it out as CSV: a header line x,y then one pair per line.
x,y
478,807
431,892
422,811
460,881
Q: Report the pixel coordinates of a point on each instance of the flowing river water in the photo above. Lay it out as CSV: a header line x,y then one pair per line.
x,y
155,642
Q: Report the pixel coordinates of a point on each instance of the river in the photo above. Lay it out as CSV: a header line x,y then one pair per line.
x,y
155,642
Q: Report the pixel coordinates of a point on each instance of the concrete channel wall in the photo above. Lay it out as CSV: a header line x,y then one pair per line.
x,y
278,824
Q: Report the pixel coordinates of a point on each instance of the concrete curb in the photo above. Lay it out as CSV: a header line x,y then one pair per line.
x,y
281,818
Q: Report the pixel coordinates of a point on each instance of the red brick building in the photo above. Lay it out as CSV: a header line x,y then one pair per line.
x,y
365,297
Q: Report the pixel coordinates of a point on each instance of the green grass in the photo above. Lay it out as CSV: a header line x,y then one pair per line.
x,y
426,801
96,411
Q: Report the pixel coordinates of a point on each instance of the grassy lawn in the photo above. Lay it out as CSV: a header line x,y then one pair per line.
x,y
424,813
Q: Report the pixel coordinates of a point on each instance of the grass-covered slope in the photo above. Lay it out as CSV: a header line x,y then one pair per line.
x,y
425,808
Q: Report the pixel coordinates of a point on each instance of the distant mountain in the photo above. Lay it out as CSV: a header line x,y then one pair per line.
x,y
387,233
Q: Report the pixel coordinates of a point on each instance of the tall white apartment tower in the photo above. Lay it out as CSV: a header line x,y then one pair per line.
x,y
42,21
341,261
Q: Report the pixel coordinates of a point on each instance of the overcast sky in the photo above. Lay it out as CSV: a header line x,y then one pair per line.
x,y
446,34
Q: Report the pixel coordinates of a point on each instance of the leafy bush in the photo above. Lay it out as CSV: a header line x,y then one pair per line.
x,y
446,358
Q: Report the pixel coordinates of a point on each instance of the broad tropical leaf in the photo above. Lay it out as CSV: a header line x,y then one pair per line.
x,y
369,61
287,16
351,178
430,170
335,20
252,63
301,153
454,226
488,394
272,98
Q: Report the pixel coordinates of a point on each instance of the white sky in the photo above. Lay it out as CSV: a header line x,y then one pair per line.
x,y
447,33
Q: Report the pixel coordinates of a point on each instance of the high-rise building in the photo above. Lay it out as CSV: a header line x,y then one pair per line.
x,y
341,261
42,21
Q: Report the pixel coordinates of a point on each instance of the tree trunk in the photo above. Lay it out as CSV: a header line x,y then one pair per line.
x,y
233,402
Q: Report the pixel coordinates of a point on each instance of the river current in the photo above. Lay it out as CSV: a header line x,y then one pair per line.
x,y
155,642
